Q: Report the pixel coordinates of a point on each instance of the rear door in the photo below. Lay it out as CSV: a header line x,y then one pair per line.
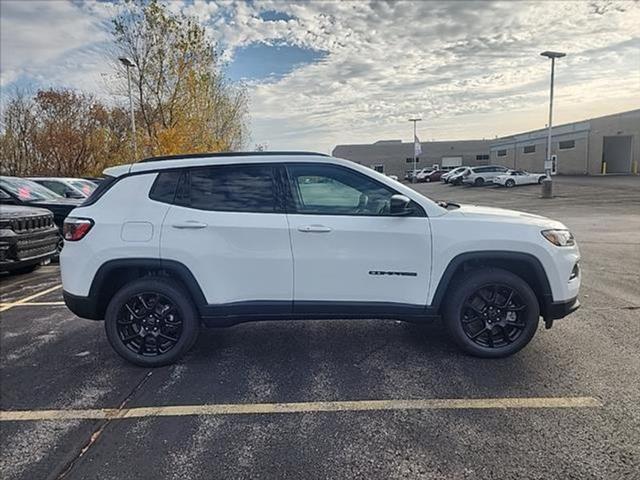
x,y
229,228
347,248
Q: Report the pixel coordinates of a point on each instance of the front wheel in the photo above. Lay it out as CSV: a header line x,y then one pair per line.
x,y
491,313
479,182
428,179
151,322
541,178
510,183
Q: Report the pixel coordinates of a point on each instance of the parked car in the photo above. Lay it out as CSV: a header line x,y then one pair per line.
x,y
78,188
28,238
393,177
456,178
452,173
171,243
518,177
20,191
479,176
432,176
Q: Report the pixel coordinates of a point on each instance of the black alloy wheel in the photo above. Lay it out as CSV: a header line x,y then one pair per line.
x,y
149,324
492,316
490,312
152,321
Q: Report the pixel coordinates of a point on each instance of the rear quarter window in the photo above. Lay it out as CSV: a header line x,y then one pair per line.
x,y
165,186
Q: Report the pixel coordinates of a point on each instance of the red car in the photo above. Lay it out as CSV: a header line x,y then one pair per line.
x,y
433,176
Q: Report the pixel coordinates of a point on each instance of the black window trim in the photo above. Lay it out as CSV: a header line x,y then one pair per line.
x,y
291,208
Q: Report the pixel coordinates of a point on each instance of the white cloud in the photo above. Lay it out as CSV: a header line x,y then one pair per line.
x,y
471,69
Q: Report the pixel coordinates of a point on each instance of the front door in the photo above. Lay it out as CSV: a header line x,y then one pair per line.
x,y
348,249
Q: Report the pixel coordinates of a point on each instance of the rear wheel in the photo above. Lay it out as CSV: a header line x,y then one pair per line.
x,y
428,179
479,182
541,178
510,183
492,313
151,322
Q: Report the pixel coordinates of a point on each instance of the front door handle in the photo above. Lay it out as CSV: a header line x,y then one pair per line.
x,y
189,224
314,229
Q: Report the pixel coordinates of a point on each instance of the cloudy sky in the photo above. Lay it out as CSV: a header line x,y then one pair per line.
x,y
327,73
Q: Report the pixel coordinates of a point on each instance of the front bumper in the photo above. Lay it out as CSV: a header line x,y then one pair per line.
x,y
558,310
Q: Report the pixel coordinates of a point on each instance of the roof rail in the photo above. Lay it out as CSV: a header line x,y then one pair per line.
x,y
229,154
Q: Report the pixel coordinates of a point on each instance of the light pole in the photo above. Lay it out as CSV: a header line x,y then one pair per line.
x,y
547,165
128,64
414,120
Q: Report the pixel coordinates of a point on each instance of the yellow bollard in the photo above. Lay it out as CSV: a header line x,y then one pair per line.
x,y
635,167
604,168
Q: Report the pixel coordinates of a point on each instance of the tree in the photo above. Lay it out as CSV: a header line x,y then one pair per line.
x,y
62,132
184,102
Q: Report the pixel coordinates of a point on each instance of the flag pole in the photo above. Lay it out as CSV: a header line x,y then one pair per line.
x,y
415,156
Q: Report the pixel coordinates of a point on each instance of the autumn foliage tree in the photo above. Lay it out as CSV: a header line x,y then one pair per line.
x,y
183,103
183,100
61,133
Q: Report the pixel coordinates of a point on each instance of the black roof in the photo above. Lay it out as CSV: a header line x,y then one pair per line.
x,y
230,154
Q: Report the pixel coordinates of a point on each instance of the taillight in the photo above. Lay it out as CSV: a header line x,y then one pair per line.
x,y
75,229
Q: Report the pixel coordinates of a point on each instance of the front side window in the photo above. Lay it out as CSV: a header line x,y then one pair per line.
x,y
229,188
335,190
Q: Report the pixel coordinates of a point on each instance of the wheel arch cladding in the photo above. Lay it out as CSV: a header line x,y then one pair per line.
x,y
114,274
525,265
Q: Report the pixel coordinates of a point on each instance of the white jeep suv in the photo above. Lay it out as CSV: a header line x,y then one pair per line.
x,y
169,244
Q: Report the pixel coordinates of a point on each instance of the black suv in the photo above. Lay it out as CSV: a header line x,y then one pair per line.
x,y
20,191
28,237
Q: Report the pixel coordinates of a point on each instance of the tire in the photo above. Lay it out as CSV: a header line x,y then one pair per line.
x,y
479,182
499,331
24,270
541,179
428,179
179,322
510,183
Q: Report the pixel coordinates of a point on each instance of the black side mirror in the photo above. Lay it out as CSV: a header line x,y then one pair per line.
x,y
399,205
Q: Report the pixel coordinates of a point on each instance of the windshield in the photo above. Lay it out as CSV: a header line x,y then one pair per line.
x,y
85,186
26,190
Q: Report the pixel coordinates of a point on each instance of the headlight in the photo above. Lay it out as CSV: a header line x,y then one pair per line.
x,y
560,238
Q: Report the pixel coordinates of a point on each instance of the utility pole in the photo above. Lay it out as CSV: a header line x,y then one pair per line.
x,y
547,189
415,154
128,64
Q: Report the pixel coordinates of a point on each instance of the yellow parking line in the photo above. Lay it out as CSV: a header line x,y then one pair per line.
x,y
32,304
7,306
302,407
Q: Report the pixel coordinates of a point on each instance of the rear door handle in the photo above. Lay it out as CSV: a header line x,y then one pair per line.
x,y
314,229
194,224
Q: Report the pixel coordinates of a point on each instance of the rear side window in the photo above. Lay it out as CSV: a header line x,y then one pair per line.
x,y
164,187
230,188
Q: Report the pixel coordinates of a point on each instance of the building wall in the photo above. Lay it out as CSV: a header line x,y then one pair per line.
x,y
586,155
393,154
627,123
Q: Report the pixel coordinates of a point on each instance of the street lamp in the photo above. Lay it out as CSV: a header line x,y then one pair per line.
x,y
414,120
128,63
547,166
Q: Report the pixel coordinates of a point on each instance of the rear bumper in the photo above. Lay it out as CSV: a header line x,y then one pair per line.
x,y
84,307
557,310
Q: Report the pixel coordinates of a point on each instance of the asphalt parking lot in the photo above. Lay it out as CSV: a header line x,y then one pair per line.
x,y
342,399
